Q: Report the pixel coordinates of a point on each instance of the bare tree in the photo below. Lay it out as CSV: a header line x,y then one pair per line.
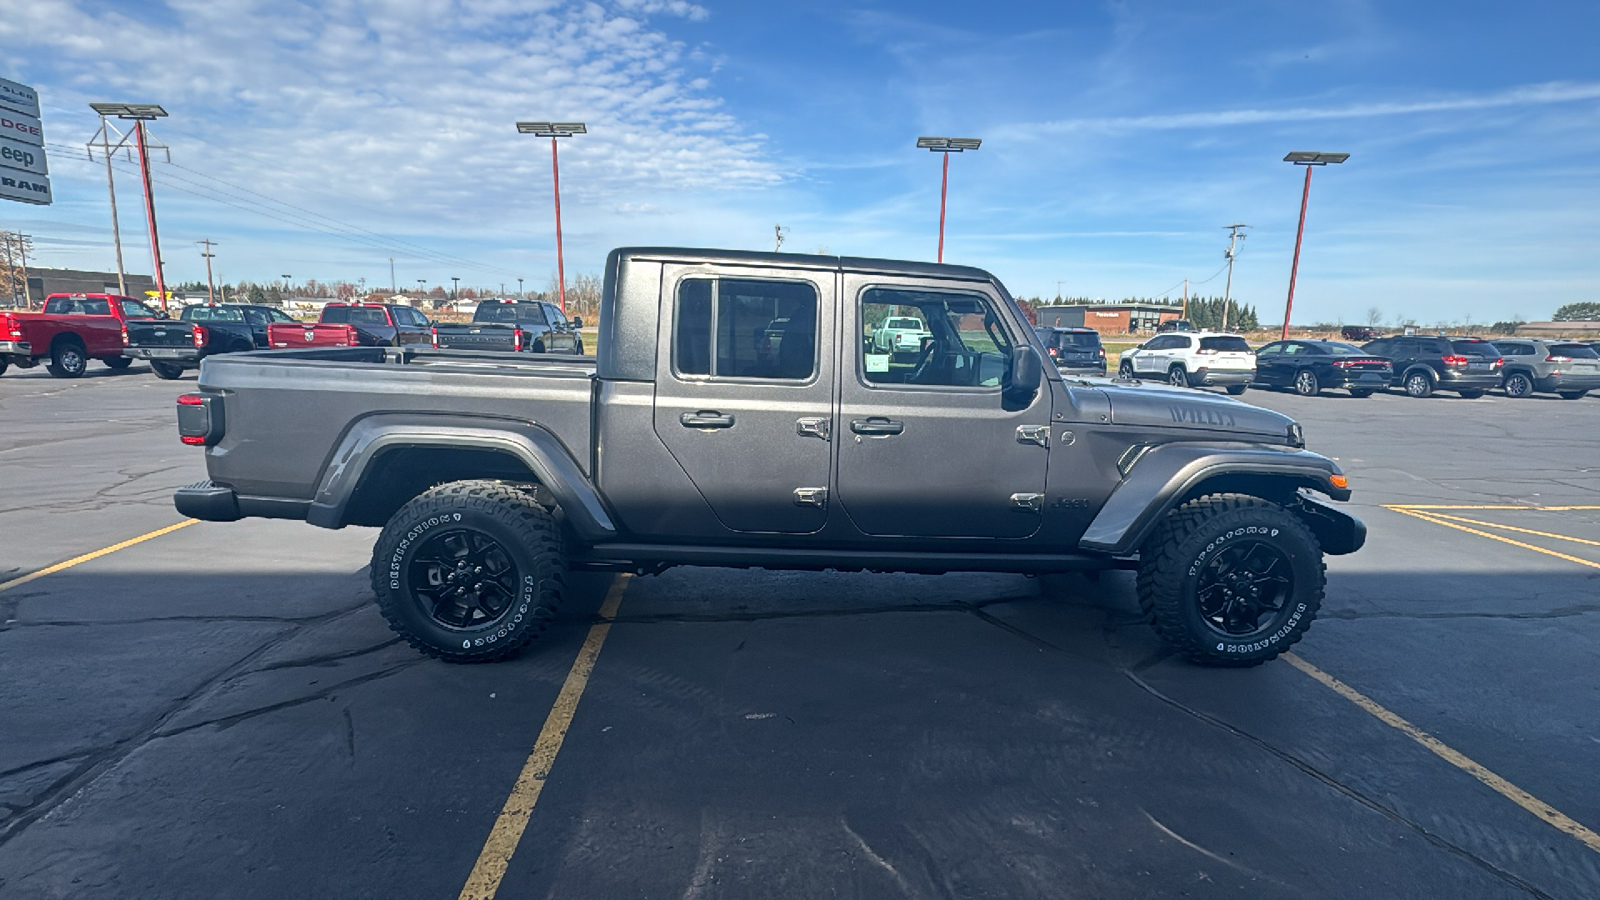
x,y
1374,316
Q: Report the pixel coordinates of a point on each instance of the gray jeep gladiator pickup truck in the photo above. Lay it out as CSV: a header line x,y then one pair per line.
x,y
736,416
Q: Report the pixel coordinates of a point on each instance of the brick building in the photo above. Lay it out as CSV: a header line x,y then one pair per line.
x,y
44,282
1110,318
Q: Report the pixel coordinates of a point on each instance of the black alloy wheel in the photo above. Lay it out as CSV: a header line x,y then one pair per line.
x,y
1306,384
1519,385
1242,590
1419,384
464,578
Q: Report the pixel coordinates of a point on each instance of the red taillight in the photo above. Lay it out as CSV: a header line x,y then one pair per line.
x,y
516,339
1455,360
125,341
1101,352
1499,362
13,327
192,439
435,332
1553,358
191,400
1053,352
201,335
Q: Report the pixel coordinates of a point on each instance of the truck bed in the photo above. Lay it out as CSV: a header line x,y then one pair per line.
x,y
279,403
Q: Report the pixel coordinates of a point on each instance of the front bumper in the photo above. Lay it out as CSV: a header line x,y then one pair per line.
x,y
164,354
16,348
1201,377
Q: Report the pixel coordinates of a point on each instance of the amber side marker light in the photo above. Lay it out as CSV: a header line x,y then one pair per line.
x,y
1339,481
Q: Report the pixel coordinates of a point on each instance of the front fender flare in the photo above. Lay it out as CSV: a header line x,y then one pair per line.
x,y
538,449
1164,475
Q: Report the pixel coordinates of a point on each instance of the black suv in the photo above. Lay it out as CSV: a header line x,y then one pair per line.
x,y
1075,351
1425,363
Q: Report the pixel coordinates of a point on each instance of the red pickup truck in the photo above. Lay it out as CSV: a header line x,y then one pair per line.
x,y
354,325
72,329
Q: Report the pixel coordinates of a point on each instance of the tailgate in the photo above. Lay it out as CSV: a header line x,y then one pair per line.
x,y
476,337
282,335
144,333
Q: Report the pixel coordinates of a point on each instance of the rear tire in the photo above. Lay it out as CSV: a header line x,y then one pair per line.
x,y
1565,395
1419,385
117,363
68,359
1177,377
505,583
1519,385
1235,390
165,370
1306,383
1231,580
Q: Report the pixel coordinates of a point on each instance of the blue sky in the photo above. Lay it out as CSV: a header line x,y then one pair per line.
x,y
1118,139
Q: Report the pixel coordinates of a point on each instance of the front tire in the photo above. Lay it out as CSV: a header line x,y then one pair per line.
x,y
1306,383
1518,385
1419,385
1231,580
470,571
68,360
1125,371
165,370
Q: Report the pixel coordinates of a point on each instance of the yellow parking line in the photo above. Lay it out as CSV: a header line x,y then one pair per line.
x,y
1495,537
1548,534
1406,506
495,857
49,570
1499,785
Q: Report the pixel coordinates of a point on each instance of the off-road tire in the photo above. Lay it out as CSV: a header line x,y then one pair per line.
x,y
1471,394
1418,384
1565,395
1236,390
1178,376
1189,539
1306,383
1360,393
1125,371
117,363
165,370
3,366
1518,385
509,517
68,359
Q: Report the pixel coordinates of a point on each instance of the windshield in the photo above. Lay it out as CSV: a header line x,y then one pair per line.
x,y
1228,344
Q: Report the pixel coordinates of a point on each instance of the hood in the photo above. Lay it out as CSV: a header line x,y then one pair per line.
x,y
1157,405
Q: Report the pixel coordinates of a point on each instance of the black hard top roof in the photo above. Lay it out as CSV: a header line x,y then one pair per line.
x,y
805,260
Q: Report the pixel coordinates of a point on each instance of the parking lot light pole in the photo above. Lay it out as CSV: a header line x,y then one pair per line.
x,y
947,146
553,130
1310,159
140,113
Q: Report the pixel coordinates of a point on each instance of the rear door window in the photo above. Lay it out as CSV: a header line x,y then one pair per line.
x,y
133,309
742,328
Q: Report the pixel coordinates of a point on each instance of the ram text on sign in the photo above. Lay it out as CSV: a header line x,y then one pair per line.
x,y
18,98
20,127
24,187
22,158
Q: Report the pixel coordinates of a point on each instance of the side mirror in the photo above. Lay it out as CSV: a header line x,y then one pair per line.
x,y
163,315
577,321
1023,380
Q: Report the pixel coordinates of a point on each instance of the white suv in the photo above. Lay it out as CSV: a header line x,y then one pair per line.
x,y
1193,359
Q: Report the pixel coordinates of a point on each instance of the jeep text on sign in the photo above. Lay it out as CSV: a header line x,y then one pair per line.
x,y
22,157
18,98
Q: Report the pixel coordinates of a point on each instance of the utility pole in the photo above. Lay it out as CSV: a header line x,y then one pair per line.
x,y
455,293
22,253
1234,237
1185,313
521,294
139,114
393,285
104,138
211,292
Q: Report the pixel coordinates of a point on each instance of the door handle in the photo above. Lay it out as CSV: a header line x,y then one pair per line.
x,y
706,418
876,426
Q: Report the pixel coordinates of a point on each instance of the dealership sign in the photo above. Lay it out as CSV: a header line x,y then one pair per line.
x,y
24,173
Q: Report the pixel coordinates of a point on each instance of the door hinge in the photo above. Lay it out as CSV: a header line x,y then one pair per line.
x,y
1028,502
812,426
811,496
1034,434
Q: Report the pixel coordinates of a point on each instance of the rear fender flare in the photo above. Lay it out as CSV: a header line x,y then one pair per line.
x,y
1166,475
536,447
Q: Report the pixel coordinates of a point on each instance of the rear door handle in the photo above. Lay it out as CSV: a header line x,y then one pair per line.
x,y
876,426
706,418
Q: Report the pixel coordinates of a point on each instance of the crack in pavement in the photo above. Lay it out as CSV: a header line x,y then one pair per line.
x,y
228,721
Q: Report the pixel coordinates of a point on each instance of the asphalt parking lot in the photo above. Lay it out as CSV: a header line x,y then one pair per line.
x,y
218,711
